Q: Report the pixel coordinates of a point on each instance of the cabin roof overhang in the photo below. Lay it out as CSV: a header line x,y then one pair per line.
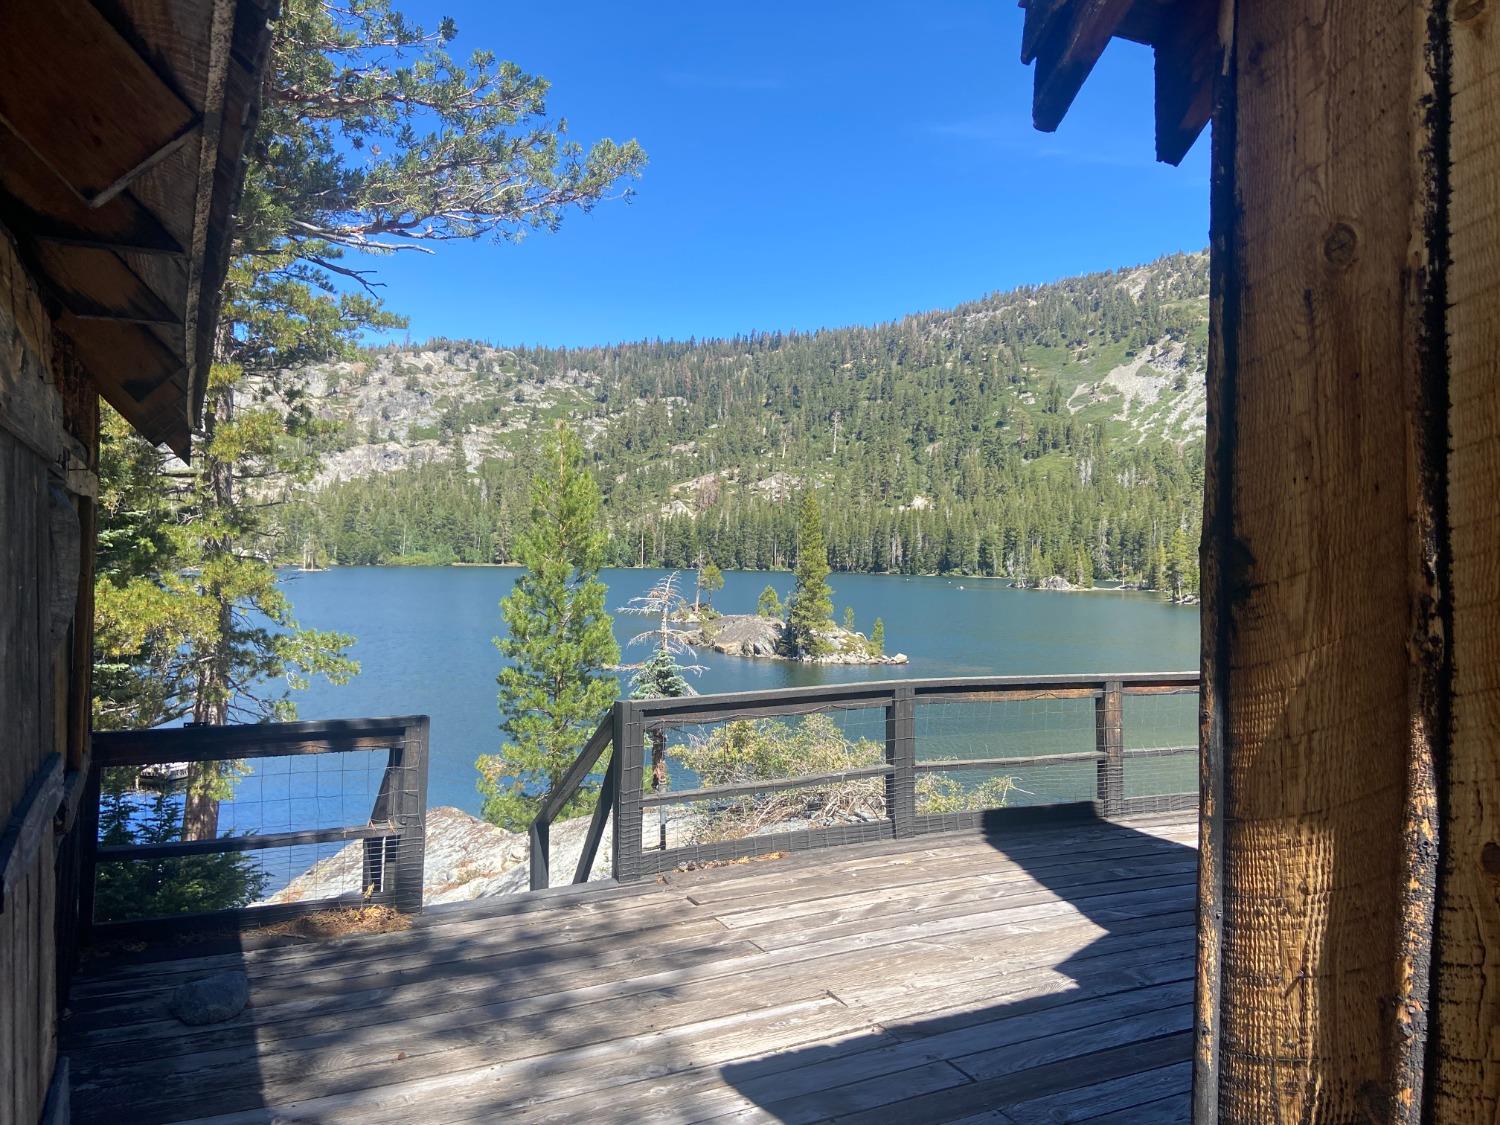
x,y
123,128
1065,39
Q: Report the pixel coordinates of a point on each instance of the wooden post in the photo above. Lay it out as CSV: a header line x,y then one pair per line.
x,y
411,818
373,878
609,793
541,855
630,749
1109,741
88,848
901,754
1325,606
1463,1079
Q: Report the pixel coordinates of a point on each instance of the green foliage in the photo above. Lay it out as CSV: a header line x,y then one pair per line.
x,y
554,687
810,608
769,603
374,139
939,793
953,456
146,888
189,619
877,637
748,751
660,677
775,749
710,581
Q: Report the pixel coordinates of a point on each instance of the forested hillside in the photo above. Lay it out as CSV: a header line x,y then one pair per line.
x,y
1052,430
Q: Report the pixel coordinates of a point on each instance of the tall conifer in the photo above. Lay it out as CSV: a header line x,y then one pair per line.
x,y
555,687
810,609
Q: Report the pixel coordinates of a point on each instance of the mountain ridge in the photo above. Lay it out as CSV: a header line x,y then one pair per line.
x,y
941,434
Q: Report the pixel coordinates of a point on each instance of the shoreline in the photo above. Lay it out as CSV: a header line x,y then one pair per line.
x,y
1008,581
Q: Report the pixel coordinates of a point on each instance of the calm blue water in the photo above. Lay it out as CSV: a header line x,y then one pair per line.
x,y
425,643
424,638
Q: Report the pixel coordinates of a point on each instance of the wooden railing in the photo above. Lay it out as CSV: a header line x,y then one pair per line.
x,y
623,794
393,835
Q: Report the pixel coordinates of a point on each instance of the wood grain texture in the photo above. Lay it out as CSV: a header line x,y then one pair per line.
x,y
81,97
28,706
1050,970
1464,1072
1321,501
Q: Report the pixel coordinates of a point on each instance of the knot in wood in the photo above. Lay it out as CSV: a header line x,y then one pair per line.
x,y
1489,858
1465,10
1340,245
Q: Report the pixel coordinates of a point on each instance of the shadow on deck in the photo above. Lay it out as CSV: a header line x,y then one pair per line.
x,y
1044,974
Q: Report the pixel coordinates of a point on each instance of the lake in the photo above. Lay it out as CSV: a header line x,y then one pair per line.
x,y
424,638
424,641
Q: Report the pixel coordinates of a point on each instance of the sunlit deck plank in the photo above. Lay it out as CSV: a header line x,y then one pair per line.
x,y
1041,975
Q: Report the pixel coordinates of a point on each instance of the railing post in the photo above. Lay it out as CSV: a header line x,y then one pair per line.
x,y
901,755
1109,738
630,751
541,855
608,792
88,850
410,816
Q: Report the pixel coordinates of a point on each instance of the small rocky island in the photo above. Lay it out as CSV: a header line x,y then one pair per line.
x,y
803,629
764,637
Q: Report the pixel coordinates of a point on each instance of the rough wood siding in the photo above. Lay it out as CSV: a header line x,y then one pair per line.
x,y
31,439
1324,681
1464,1078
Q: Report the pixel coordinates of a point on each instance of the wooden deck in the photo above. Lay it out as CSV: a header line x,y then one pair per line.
x,y
1042,975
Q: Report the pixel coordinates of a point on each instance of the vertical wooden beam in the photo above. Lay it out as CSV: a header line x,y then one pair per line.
x,y
1109,740
411,817
1463,1082
1323,620
901,753
1221,573
88,852
630,749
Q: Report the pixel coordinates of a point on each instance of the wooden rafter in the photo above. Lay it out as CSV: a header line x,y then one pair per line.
x,y
1188,61
1071,36
96,134
1065,39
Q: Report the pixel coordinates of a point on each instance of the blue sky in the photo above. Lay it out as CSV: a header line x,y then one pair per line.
x,y
811,164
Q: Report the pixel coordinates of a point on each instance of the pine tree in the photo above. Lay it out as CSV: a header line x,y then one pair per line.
x,y
810,608
371,138
710,582
769,604
877,637
554,688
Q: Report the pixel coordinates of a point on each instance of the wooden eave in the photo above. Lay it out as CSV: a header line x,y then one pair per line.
x,y
1065,39
123,128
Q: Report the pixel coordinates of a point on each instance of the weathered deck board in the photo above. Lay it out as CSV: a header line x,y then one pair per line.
x,y
1040,976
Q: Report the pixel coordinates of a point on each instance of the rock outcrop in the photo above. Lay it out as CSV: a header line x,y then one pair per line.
x,y
748,634
466,858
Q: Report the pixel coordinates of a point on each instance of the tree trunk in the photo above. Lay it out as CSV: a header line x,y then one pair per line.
x,y
200,815
659,778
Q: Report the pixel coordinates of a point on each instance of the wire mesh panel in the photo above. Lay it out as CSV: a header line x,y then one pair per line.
x,y
1161,744
199,821
711,783
1015,751
715,777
